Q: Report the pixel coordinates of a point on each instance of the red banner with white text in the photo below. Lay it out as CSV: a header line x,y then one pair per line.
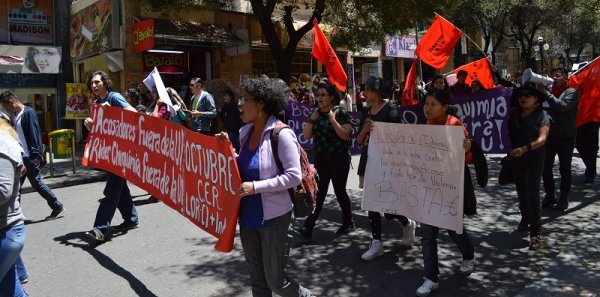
x,y
194,174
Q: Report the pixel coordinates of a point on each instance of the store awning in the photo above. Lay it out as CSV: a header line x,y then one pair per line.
x,y
174,32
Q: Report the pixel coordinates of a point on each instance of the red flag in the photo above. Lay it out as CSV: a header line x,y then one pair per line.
x,y
586,83
478,70
324,53
408,96
438,43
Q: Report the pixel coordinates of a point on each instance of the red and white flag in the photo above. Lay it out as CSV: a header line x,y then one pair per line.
x,y
324,53
438,43
408,96
478,70
586,83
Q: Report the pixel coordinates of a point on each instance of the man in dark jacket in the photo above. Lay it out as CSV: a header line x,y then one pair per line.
x,y
564,103
26,124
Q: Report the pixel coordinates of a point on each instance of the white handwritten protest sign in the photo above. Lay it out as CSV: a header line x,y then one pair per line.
x,y
416,171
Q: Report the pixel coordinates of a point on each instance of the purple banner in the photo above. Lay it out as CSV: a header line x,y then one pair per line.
x,y
485,115
296,115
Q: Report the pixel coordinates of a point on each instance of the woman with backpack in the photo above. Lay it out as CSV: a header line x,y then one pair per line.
x,y
266,206
329,124
379,111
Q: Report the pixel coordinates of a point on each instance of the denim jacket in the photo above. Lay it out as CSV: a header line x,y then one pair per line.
x,y
207,106
273,185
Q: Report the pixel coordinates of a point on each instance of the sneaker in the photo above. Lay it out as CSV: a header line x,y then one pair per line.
x,y
125,226
467,266
302,234
426,288
23,280
408,233
345,229
95,234
55,212
375,250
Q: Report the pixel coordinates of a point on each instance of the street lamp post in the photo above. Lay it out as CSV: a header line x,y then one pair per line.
x,y
542,47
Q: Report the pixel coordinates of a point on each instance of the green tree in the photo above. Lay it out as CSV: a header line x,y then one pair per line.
x,y
356,23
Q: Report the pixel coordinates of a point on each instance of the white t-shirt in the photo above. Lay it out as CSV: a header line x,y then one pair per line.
x,y
19,129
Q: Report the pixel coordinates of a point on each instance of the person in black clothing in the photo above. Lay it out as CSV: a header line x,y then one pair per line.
x,y
528,128
379,111
230,117
564,103
587,146
27,126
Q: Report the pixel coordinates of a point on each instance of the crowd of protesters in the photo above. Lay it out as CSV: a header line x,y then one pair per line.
x,y
537,132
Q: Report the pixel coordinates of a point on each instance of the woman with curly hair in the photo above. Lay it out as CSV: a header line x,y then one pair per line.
x,y
266,206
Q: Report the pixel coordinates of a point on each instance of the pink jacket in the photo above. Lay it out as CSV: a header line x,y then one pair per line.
x,y
273,186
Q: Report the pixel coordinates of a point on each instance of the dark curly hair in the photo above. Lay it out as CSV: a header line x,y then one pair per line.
x,y
272,92
134,95
331,91
106,81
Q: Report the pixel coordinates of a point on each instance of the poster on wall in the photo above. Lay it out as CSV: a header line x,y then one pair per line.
x,y
94,29
30,59
77,105
29,21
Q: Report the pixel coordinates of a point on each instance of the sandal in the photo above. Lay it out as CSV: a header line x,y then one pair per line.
x,y
95,234
534,243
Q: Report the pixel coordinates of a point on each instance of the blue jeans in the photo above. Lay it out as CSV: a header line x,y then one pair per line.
x,y
116,196
34,177
21,271
430,253
266,251
12,240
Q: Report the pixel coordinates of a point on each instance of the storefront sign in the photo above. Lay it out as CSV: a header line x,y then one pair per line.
x,y
143,36
30,59
165,62
77,105
400,46
29,21
27,80
94,29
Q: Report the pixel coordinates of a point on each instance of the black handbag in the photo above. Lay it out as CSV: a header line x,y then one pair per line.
x,y
505,177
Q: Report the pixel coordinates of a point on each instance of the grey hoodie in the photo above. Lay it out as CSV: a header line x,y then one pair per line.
x,y
11,163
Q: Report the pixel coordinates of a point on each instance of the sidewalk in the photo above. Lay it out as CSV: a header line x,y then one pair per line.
x,y
63,173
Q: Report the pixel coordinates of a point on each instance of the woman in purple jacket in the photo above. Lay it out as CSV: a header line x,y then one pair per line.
x,y
266,207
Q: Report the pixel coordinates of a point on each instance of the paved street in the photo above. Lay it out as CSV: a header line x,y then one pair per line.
x,y
169,256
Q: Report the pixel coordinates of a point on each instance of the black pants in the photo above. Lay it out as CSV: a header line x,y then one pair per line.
x,y
587,146
334,168
375,222
527,172
563,147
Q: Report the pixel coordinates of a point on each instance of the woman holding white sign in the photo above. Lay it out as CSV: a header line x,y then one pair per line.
x,y
379,111
266,206
438,112
329,124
